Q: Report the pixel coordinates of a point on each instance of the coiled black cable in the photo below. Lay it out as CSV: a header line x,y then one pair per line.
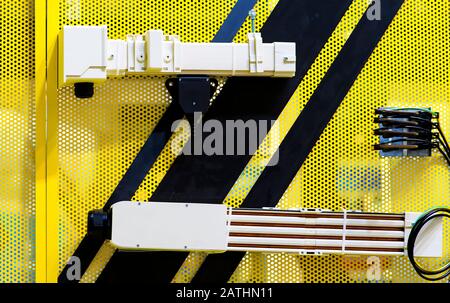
x,y
431,275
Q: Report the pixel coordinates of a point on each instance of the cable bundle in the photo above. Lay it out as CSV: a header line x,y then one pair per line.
x,y
410,129
404,129
415,129
431,275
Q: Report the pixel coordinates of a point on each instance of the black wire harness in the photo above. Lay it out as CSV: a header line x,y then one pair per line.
x,y
410,129
405,129
415,129
431,275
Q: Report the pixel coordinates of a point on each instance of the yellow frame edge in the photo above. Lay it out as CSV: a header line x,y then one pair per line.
x,y
52,141
40,151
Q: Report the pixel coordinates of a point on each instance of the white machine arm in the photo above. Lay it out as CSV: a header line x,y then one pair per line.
x,y
217,228
86,55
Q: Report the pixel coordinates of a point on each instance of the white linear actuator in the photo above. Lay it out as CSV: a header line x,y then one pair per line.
x,y
218,228
87,55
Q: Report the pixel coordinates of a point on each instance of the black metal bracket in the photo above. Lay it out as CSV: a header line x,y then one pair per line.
x,y
193,93
84,90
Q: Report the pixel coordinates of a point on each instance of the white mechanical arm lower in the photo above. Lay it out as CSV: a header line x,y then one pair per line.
x,y
218,228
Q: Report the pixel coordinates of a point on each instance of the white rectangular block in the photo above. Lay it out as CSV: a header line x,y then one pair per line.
x,y
429,240
169,226
82,54
117,58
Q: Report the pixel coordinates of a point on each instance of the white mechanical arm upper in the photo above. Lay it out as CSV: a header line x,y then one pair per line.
x,y
87,55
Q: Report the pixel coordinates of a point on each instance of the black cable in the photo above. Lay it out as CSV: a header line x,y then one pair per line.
x,y
442,145
392,147
401,112
387,132
420,119
447,150
438,127
446,156
431,275
416,144
396,122
413,140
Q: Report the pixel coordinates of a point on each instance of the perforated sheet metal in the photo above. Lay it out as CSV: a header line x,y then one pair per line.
x,y
408,68
98,138
17,140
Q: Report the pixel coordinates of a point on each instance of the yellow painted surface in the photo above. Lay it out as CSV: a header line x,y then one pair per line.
x,y
49,183
40,67
17,142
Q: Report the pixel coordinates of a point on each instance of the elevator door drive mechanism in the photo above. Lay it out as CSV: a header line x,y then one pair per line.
x,y
86,55
218,228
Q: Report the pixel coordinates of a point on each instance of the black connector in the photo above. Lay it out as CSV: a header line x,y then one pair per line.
x,y
100,223
84,90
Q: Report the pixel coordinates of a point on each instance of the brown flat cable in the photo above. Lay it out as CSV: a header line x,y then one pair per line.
x,y
317,215
296,225
337,248
321,237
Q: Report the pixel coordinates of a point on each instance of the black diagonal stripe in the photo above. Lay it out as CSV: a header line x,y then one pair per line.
x,y
144,160
306,130
90,245
203,178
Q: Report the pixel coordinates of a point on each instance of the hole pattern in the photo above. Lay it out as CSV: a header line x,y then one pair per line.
x,y
17,142
98,138
401,72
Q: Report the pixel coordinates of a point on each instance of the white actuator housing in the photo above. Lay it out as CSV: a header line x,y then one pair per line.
x,y
86,55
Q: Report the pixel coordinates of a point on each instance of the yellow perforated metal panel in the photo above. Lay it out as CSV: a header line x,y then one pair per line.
x,y
98,138
17,140
408,68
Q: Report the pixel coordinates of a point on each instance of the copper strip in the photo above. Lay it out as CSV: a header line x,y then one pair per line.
x,y
323,237
316,215
337,248
295,225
